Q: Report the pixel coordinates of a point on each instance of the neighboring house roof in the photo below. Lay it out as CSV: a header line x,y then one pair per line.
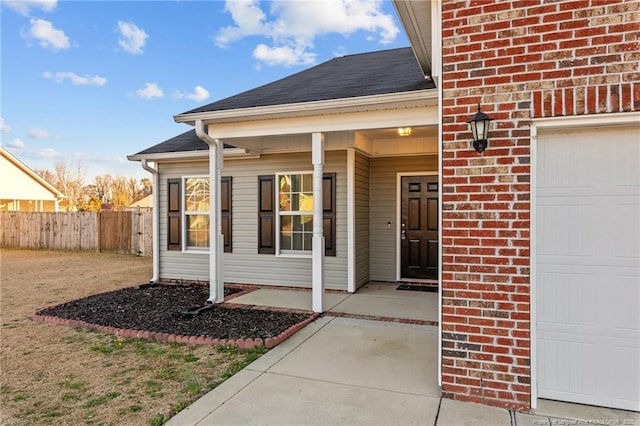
x,y
13,188
364,74
146,202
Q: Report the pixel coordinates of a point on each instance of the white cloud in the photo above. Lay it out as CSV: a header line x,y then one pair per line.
x,y
24,7
293,26
249,19
49,36
47,153
38,133
199,94
4,127
16,144
150,91
76,80
285,55
132,39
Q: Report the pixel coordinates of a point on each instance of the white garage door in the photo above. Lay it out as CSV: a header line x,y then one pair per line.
x,y
588,266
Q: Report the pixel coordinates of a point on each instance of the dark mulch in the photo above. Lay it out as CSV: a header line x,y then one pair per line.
x,y
159,308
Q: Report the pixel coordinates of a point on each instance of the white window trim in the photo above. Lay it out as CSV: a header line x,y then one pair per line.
x,y
183,201
303,254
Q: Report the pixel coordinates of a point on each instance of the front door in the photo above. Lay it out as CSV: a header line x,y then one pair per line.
x,y
419,227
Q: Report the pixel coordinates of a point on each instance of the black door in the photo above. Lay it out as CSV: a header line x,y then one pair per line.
x,y
419,227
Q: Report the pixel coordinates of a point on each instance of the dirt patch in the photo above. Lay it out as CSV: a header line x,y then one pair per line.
x,y
68,376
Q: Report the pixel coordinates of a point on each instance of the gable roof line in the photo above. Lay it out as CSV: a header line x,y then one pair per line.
x,y
365,103
19,164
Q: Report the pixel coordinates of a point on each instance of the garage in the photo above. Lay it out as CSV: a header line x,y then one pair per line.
x,y
587,264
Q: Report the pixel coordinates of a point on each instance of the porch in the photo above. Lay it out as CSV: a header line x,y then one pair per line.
x,y
385,301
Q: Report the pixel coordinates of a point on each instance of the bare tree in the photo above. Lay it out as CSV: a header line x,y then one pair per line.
x,y
66,180
145,190
47,175
121,195
102,185
70,182
115,191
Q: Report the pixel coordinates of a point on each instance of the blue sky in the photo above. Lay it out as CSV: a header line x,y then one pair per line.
x,y
90,82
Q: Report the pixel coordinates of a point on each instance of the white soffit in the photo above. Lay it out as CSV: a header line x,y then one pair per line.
x,y
416,20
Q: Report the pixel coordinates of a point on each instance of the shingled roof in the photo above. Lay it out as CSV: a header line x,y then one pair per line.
x,y
364,74
185,142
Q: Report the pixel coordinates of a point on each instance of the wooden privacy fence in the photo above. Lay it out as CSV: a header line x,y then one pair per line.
x,y
128,232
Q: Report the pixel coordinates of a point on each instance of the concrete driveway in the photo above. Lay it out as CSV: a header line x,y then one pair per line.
x,y
336,371
354,371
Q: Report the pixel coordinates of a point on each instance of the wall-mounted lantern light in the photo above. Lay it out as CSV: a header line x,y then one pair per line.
x,y
479,128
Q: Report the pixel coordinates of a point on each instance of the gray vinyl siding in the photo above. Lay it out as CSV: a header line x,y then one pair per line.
x,y
362,165
383,199
175,264
244,264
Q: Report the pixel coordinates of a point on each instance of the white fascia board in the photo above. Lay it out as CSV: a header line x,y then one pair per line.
x,y
333,106
436,40
170,156
588,120
229,153
415,16
352,121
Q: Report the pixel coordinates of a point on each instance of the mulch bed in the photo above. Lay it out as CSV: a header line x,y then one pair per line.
x,y
157,311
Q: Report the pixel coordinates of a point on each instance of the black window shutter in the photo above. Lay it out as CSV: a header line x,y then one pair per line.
x,y
174,213
225,208
329,213
266,214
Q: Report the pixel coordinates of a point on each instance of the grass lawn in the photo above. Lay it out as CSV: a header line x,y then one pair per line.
x,y
64,376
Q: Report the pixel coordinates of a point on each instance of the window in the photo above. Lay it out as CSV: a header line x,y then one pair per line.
x,y
189,216
292,215
196,212
295,212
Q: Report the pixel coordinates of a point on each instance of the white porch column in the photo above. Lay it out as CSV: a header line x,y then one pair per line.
x,y
317,154
217,225
214,259
216,242
216,280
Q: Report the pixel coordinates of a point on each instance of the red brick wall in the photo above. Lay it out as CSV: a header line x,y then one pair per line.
x,y
520,60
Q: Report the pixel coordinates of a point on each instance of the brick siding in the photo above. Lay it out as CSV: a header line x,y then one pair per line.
x,y
520,60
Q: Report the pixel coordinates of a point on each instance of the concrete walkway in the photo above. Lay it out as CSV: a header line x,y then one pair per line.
x,y
372,300
347,371
336,371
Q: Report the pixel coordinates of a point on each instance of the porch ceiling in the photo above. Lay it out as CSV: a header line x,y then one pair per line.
x,y
392,133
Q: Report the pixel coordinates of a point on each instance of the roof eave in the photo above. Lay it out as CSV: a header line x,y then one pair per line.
x,y
173,156
417,20
186,155
361,103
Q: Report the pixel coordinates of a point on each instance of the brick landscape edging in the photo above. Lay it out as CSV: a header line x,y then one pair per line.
x,y
248,343
381,318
